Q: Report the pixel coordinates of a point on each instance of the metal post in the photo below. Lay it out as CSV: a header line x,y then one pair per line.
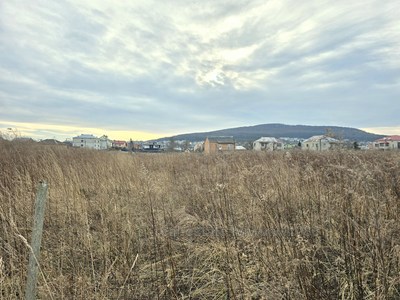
x,y
40,203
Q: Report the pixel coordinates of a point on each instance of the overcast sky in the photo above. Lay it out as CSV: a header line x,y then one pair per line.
x,y
143,69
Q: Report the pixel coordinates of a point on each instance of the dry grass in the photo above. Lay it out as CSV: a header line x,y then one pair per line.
x,y
189,226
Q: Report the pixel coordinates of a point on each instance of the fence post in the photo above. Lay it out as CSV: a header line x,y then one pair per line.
x,y
40,203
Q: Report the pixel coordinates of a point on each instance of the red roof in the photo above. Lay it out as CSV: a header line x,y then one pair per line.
x,y
392,138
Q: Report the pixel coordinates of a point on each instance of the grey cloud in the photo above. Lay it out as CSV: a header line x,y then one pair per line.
x,y
142,73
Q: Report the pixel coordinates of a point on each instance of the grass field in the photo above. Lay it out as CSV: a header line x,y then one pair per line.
x,y
190,226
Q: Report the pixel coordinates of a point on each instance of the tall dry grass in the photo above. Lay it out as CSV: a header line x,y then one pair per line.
x,y
189,226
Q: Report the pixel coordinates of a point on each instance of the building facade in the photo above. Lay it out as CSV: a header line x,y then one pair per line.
x,y
387,143
320,143
219,144
151,147
268,144
119,144
89,141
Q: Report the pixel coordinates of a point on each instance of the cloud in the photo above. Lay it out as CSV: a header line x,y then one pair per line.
x,y
180,66
393,130
39,131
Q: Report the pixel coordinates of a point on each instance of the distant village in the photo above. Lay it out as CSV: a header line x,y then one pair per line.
x,y
228,143
215,144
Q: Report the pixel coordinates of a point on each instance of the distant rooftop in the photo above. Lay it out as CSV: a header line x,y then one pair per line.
x,y
240,148
268,140
392,138
50,141
86,136
317,138
221,139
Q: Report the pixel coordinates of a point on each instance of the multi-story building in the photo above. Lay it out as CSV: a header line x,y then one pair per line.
x,y
90,141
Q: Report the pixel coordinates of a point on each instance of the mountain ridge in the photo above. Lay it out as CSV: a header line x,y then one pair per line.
x,y
278,130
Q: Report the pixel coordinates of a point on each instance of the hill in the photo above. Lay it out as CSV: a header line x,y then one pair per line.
x,y
251,133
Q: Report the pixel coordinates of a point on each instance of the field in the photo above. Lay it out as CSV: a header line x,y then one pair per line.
x,y
248,225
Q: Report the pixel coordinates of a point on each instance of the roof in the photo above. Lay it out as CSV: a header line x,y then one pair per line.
x,y
221,139
392,138
50,141
268,140
85,136
317,138
23,139
240,148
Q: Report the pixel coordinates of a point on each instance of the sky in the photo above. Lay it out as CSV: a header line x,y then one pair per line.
x,y
145,69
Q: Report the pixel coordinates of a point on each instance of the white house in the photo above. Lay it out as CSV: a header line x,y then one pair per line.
x,y
320,143
387,143
105,142
268,144
89,141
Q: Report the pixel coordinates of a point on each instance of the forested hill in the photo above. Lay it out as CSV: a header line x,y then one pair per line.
x,y
251,133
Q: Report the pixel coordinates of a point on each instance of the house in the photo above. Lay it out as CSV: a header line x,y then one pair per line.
x,y
387,143
119,144
53,142
321,143
90,141
151,147
50,142
268,144
134,145
219,144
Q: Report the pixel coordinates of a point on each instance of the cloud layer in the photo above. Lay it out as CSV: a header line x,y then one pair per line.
x,y
183,66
